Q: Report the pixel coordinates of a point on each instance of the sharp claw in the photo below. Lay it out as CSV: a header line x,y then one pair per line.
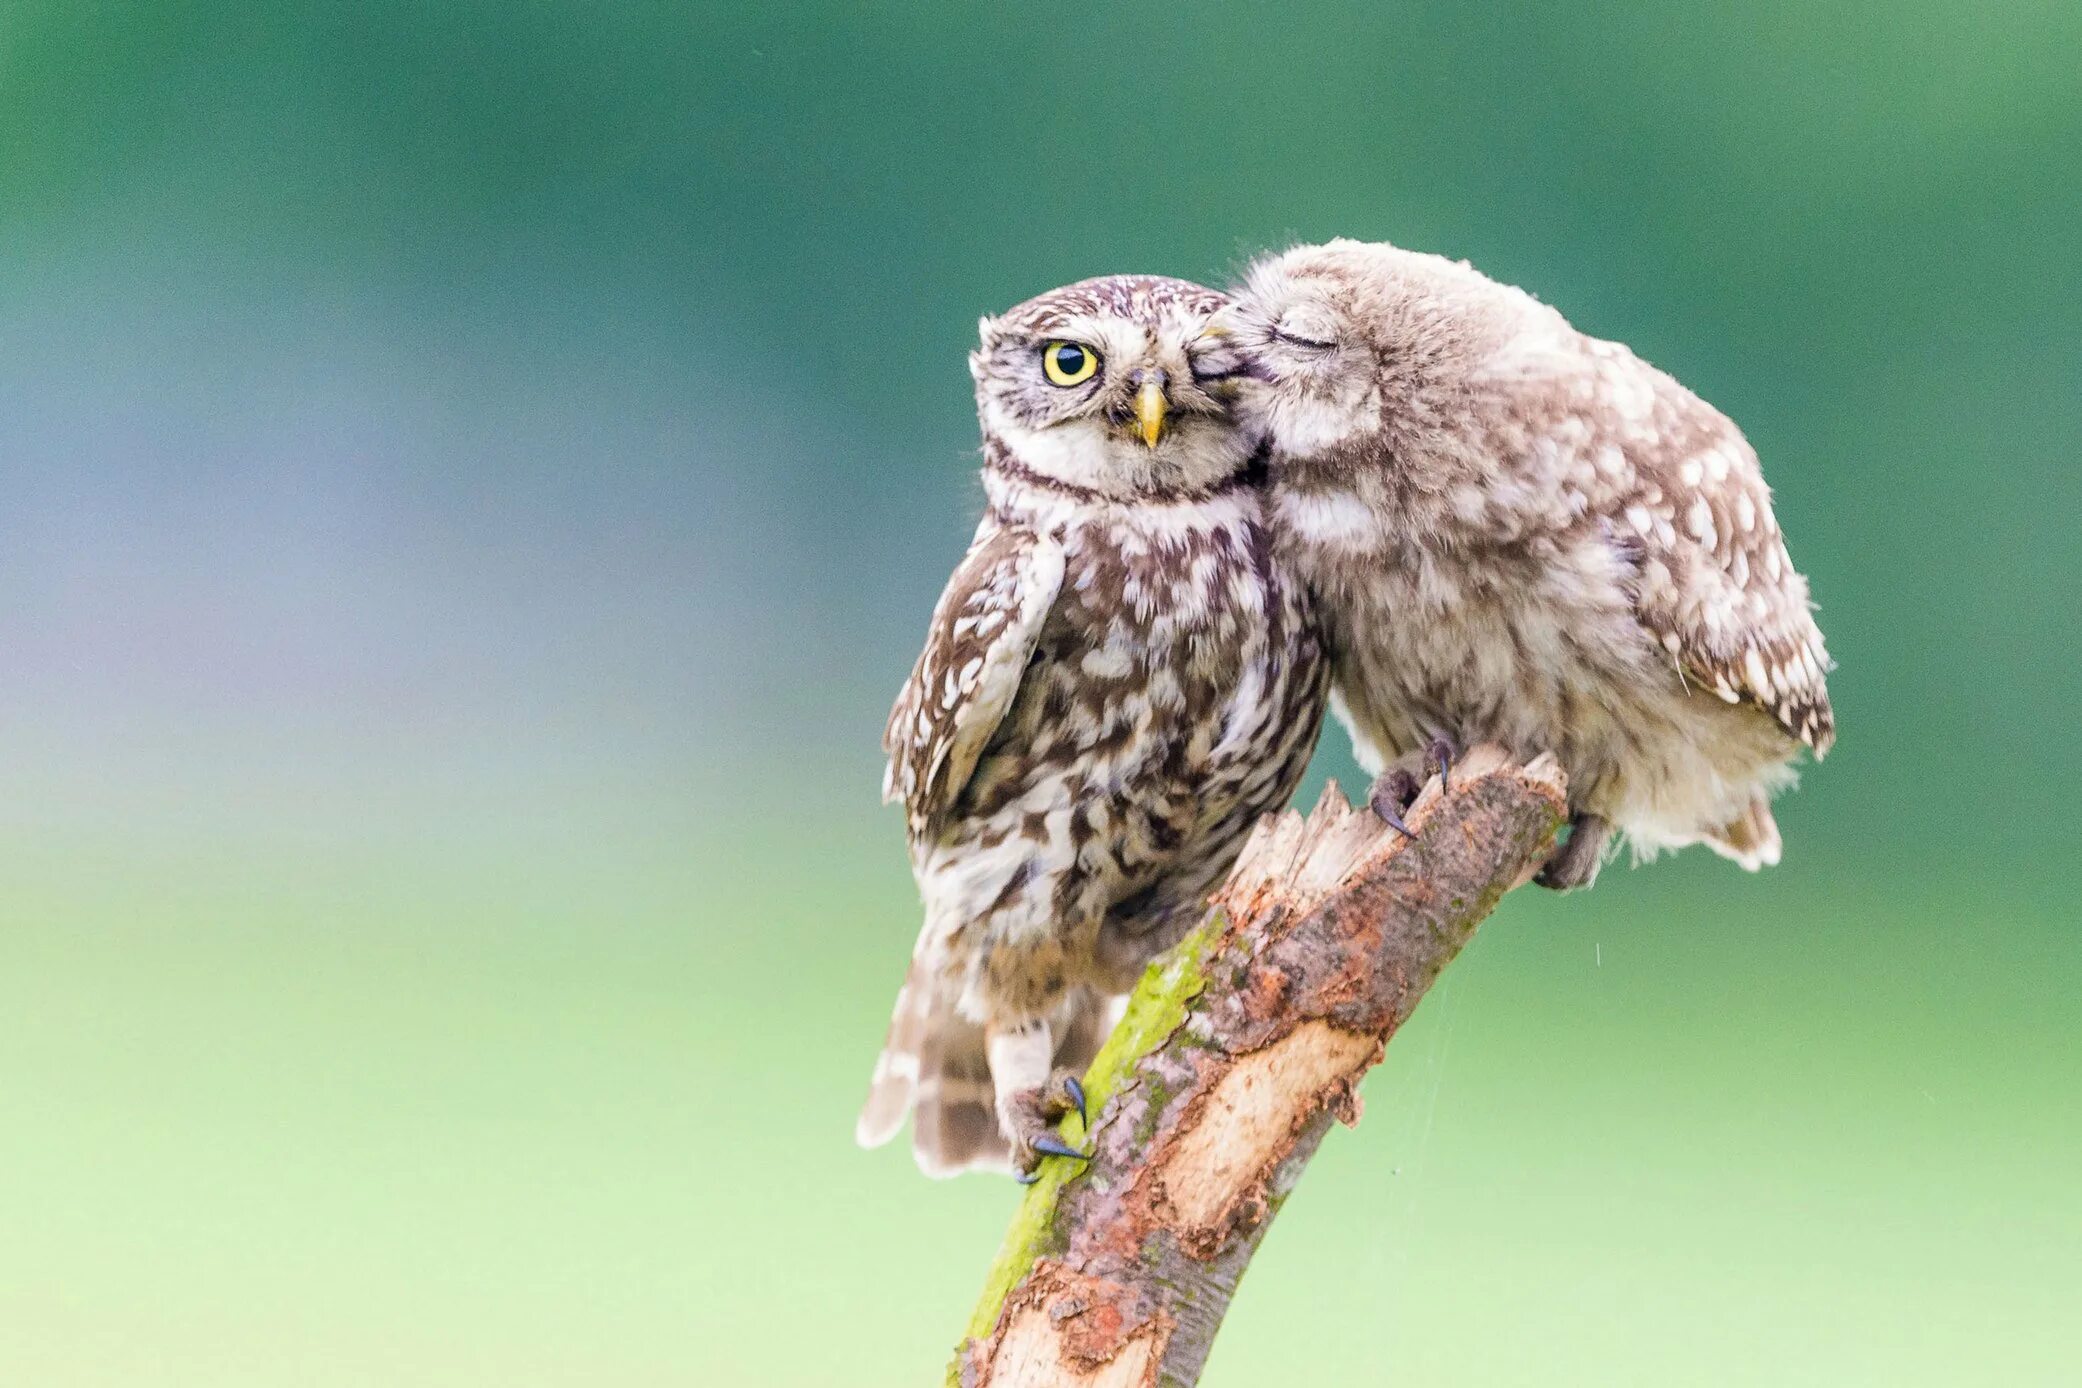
x,y
1076,1092
1056,1147
1026,1178
1441,751
1394,821
1390,798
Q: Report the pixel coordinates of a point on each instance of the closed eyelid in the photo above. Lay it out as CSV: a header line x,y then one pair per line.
x,y
1319,344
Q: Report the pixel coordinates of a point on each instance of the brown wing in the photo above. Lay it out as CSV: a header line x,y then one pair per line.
x,y
1717,587
982,633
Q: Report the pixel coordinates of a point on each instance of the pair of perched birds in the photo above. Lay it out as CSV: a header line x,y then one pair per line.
x,y
1374,479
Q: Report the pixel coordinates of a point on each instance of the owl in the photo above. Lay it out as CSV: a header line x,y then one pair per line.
x,y
1117,681
1516,533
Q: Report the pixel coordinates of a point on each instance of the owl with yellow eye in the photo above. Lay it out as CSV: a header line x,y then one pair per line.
x,y
1117,681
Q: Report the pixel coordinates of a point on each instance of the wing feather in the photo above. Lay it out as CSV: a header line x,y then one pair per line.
x,y
1716,586
983,632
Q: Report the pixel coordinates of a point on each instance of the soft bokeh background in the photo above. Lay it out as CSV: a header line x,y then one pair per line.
x,y
475,473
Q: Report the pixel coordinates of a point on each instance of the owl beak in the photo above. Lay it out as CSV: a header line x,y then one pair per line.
x,y
1150,408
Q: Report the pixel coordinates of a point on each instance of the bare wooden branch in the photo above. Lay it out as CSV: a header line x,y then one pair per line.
x,y
1237,1050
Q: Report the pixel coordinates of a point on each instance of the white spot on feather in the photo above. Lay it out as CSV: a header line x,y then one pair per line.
x,y
1699,520
1330,518
1109,662
1753,668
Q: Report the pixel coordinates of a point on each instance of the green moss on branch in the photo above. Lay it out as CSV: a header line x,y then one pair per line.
x,y
1156,1009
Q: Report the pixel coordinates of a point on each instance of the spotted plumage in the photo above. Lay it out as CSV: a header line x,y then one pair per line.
x,y
1515,532
1117,681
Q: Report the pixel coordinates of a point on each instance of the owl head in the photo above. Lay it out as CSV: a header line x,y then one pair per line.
x,y
1111,385
1350,341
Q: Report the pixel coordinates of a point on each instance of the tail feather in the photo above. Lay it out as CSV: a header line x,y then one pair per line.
x,y
954,1124
1750,839
894,1085
935,1067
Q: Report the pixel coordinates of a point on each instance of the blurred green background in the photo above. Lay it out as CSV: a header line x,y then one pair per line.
x,y
474,475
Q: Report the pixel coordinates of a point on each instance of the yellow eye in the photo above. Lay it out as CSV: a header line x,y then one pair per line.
x,y
1068,364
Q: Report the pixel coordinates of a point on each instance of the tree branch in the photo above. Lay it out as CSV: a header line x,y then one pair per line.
x,y
1237,1050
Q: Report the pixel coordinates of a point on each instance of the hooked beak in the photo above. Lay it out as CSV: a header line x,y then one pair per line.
x,y
1150,407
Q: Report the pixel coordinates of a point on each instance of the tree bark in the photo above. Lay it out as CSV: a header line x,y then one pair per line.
x,y
1237,1050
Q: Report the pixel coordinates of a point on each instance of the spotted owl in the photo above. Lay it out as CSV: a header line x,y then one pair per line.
x,y
1117,681
1517,533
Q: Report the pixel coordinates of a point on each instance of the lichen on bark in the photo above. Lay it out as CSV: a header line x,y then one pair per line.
x,y
1155,1010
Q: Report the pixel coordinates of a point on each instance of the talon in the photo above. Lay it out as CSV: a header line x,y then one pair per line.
x,y
1076,1092
1026,1178
1054,1146
1391,818
1391,794
1438,759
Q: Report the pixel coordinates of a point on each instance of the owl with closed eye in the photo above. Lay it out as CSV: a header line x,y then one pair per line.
x,y
1117,681
1517,533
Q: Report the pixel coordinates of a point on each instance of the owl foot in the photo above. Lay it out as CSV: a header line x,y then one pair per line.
x,y
1390,795
1034,1114
1395,790
1576,863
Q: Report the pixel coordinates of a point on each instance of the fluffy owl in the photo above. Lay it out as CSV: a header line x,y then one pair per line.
x,y
1118,680
1517,533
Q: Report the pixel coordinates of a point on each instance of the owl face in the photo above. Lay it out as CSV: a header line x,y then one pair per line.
x,y
1110,385
1304,322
